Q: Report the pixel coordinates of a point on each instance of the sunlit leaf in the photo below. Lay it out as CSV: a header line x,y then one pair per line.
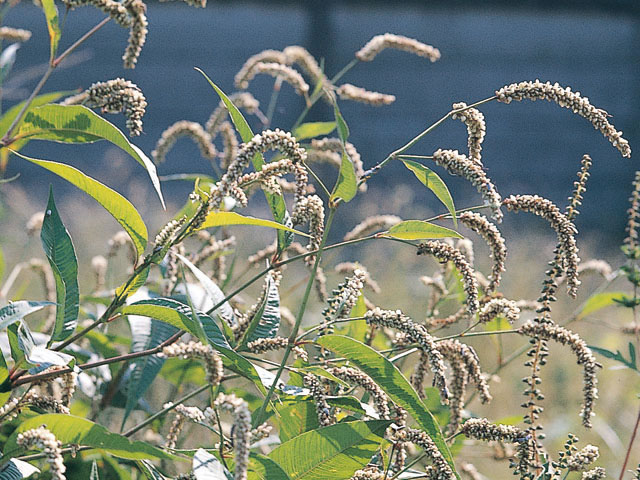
x,y
59,250
434,183
222,219
263,468
420,230
17,310
331,453
51,13
599,301
313,129
391,380
82,432
78,124
266,321
118,206
347,185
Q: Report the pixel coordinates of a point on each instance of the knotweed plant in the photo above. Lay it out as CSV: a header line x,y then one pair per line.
x,y
207,356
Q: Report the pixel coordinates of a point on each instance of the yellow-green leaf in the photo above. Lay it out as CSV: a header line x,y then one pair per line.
x,y
313,129
599,301
118,206
78,124
51,13
219,219
347,184
420,230
434,183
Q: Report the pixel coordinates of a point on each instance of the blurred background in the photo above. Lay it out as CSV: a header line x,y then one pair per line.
x,y
529,148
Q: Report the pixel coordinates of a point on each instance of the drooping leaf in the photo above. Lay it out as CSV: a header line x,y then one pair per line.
x,y
207,467
37,355
17,469
146,333
313,129
599,301
166,310
59,250
276,202
220,219
51,13
69,429
78,124
434,183
347,185
331,453
17,310
420,230
263,468
343,129
391,380
266,321
224,311
118,206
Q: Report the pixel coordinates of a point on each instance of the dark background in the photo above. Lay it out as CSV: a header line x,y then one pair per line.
x,y
529,148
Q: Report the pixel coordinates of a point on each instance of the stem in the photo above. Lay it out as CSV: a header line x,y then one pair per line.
x,y
633,437
417,138
274,100
258,419
158,414
79,42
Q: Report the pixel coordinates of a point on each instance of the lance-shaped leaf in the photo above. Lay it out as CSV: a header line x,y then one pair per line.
x,y
313,129
263,468
37,355
78,124
70,429
391,380
331,453
266,321
420,230
223,219
347,184
166,310
59,250
434,183
146,333
224,311
276,202
130,287
51,14
17,310
118,206
599,301
9,116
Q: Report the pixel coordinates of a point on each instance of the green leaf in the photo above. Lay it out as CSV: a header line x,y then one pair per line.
x,y
118,206
9,116
221,219
263,468
343,129
331,453
276,202
149,470
130,287
297,419
69,429
347,185
434,183
146,333
166,310
266,321
37,355
51,13
599,301
59,250
420,230
5,383
618,356
313,129
391,380
224,311
78,124
17,310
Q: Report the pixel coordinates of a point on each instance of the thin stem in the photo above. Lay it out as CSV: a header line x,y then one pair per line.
x,y
259,417
477,334
408,467
628,454
274,100
79,42
165,410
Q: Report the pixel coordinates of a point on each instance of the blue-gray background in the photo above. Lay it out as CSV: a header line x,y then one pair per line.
x,y
529,147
